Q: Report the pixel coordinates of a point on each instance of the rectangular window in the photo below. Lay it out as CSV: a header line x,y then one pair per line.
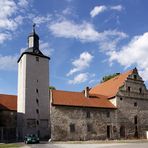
x,y
87,114
140,90
107,114
89,127
37,91
135,120
129,89
135,77
135,104
72,128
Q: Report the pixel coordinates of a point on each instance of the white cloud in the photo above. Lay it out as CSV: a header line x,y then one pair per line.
x,y
41,19
80,78
7,9
10,17
117,7
67,11
134,53
8,62
84,32
45,48
97,10
68,29
3,37
23,3
81,63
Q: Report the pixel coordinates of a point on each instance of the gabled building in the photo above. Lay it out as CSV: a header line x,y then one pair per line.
x,y
115,109
8,117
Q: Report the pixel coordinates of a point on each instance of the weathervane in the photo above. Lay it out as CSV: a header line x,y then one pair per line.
x,y
34,27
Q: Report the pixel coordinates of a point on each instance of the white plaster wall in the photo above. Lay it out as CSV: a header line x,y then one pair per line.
x,y
33,75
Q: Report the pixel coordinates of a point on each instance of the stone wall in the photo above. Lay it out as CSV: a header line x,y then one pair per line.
x,y
132,110
128,121
89,123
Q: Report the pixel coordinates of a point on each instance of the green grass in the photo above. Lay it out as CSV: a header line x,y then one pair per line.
x,y
10,145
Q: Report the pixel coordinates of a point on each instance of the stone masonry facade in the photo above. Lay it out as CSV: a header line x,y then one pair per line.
x,y
129,120
88,123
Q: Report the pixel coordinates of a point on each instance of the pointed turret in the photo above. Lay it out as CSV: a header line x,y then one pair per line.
x,y
33,45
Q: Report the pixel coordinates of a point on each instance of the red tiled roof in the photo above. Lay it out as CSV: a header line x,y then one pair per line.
x,y
8,102
78,99
110,87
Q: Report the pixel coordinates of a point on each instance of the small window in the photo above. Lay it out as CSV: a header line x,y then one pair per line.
x,y
87,114
140,90
108,114
37,111
37,91
37,59
129,89
37,101
72,128
37,122
135,120
121,98
135,77
37,81
135,104
89,127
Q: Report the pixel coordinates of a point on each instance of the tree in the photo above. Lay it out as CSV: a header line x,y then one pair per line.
x,y
108,77
52,88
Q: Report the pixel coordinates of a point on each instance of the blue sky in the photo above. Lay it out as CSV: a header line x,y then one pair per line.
x,y
86,39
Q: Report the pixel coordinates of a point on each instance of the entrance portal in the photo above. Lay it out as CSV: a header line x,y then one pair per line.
x,y
122,132
108,131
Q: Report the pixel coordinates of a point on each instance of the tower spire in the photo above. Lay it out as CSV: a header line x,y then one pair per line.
x,y
33,40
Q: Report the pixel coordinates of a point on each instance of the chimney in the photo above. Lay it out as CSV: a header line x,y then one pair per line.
x,y
86,92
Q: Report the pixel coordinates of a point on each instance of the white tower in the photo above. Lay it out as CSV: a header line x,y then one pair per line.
x,y
33,90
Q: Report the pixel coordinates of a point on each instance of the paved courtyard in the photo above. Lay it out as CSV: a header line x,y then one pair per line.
x,y
109,145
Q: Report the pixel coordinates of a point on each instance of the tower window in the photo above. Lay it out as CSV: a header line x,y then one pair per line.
x,y
37,59
37,111
129,89
37,91
37,122
37,101
72,128
135,120
135,104
87,114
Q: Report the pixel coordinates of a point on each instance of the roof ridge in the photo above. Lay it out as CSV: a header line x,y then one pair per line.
x,y
68,91
110,87
9,95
